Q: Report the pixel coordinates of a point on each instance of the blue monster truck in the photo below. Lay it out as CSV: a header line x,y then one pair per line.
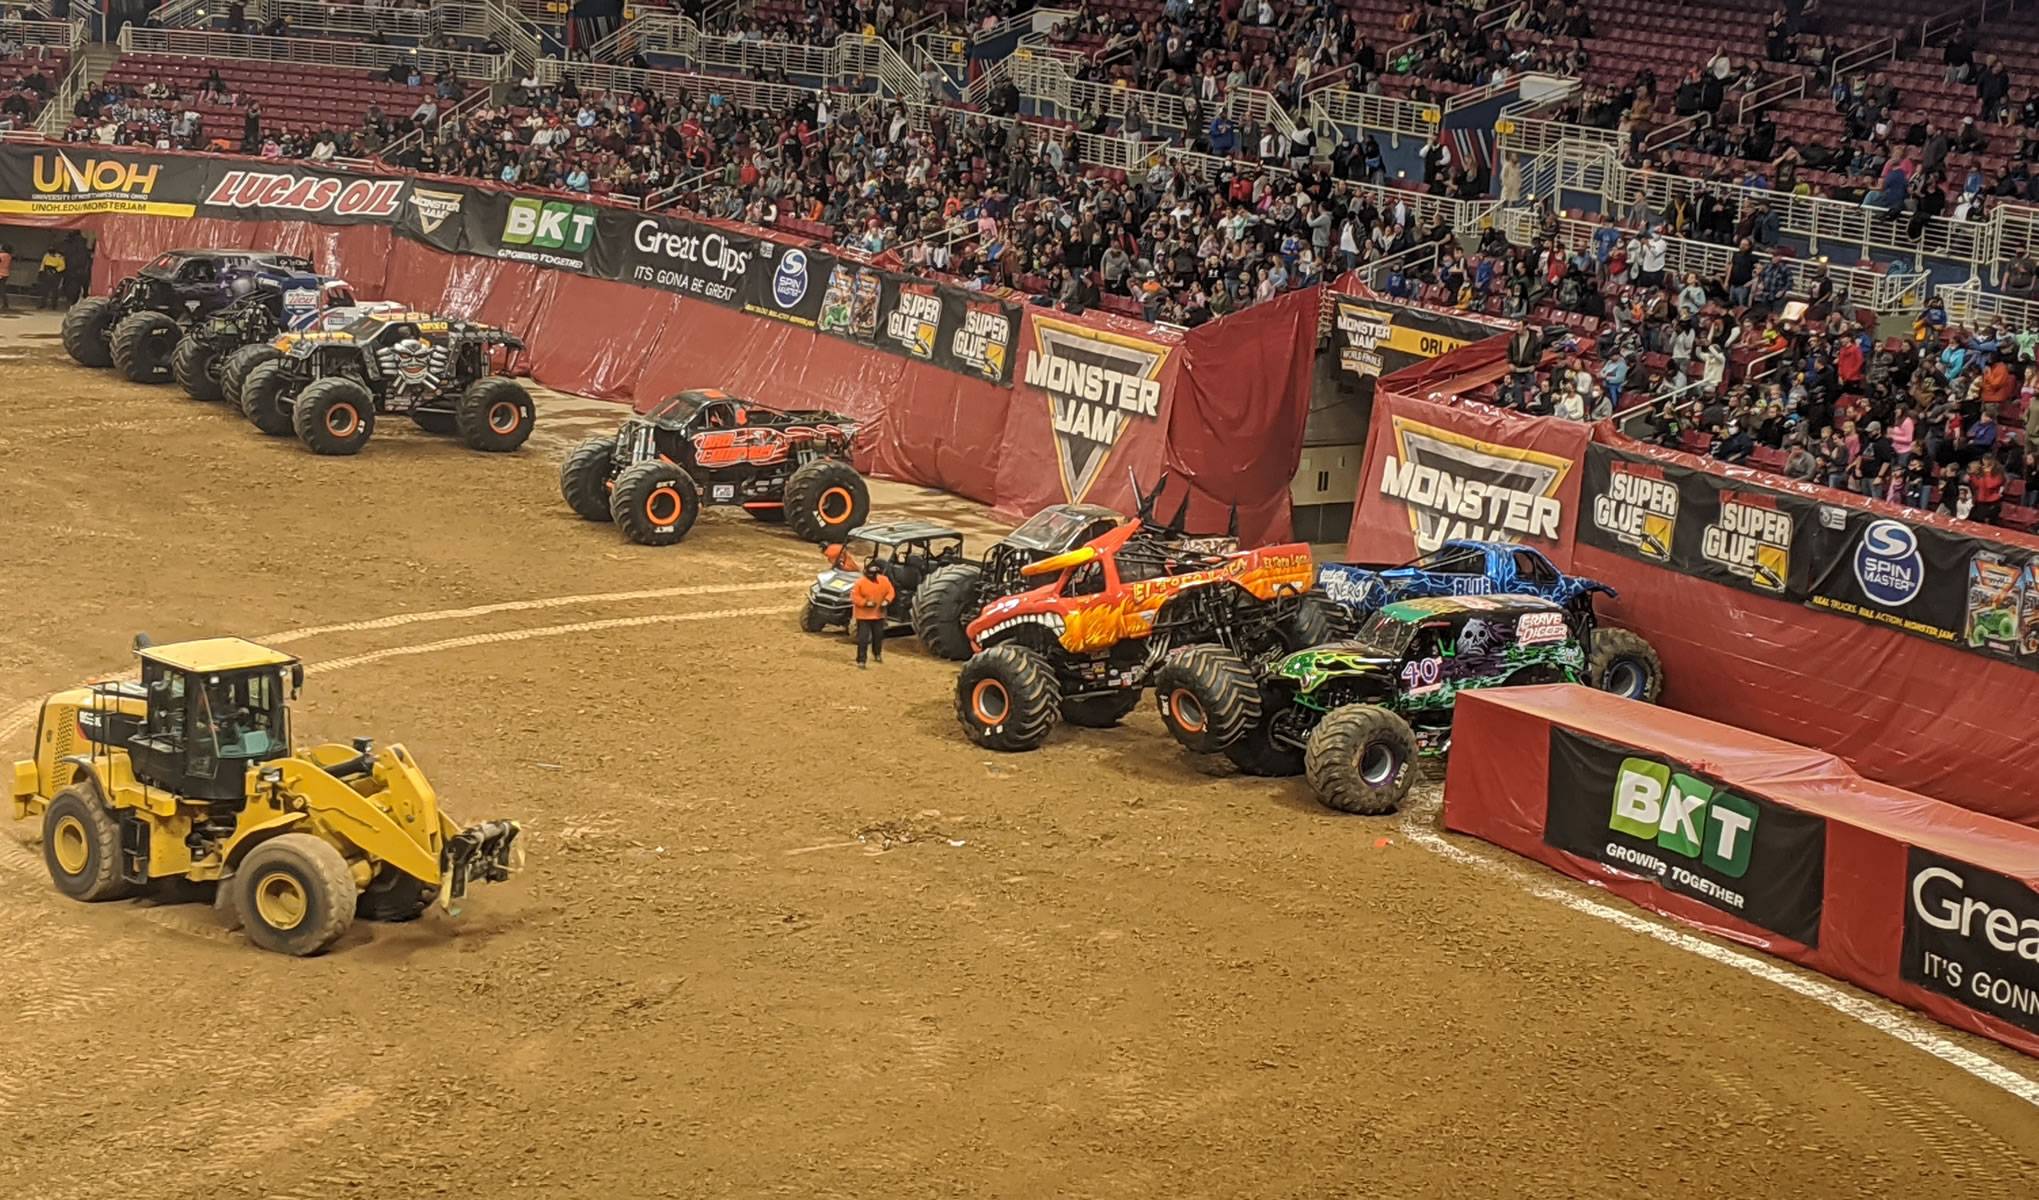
x,y
1617,661
136,329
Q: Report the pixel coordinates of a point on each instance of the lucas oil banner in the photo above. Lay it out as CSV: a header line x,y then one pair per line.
x,y
932,322
1916,577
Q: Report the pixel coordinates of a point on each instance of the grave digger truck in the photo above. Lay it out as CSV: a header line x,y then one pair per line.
x,y
188,774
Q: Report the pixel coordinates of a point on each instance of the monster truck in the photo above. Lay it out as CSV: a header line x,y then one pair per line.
x,y
1617,660
214,356
1085,646
1351,715
954,594
136,329
329,385
705,446
907,551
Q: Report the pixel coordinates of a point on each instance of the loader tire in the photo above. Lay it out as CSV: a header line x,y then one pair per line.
x,y
495,415
334,415
654,503
295,894
943,609
1361,759
81,846
85,332
234,369
393,897
266,398
825,499
584,478
1624,664
1101,712
196,368
1007,698
142,346
1208,697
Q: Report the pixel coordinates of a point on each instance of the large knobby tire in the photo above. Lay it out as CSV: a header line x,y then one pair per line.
x,y
81,846
1100,712
85,332
267,397
440,421
394,897
142,346
943,608
294,894
1007,698
1623,664
584,478
495,414
1361,759
1256,752
233,371
654,503
194,366
825,499
1208,697
1319,619
334,415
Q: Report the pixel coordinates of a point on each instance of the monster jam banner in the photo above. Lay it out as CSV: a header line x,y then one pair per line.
x,y
49,180
1377,337
1099,390
1695,523
1972,935
1646,815
1436,471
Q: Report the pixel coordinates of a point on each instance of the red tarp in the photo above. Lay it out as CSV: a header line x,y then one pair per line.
x,y
1226,413
1887,892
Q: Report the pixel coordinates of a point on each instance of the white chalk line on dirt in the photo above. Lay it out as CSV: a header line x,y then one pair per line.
x,y
484,610
543,631
1413,825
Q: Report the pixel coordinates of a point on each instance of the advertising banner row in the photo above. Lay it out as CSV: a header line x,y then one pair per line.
x,y
1377,336
813,289
1878,633
1769,844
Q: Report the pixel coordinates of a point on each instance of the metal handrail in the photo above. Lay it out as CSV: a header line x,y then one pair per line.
x,y
1338,107
1967,304
477,98
67,34
56,113
1777,91
1875,52
192,43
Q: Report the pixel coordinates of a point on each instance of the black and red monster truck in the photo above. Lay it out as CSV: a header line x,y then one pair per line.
x,y
705,446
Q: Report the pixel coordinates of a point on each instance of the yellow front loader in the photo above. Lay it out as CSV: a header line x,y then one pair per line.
x,y
189,774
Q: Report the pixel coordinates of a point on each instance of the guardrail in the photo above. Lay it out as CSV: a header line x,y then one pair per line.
x,y
1340,107
67,35
481,19
852,62
1045,82
1932,27
1967,304
607,77
476,98
192,43
55,116
1777,91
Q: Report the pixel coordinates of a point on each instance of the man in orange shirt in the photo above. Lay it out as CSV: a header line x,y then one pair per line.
x,y
869,598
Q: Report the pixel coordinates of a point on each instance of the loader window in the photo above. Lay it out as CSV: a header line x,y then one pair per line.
x,y
241,716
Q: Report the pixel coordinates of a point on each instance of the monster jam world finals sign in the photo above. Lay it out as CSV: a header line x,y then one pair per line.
x,y
1098,385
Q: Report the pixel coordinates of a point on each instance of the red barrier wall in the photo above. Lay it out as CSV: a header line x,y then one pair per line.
x,y
1915,714
1889,883
1233,395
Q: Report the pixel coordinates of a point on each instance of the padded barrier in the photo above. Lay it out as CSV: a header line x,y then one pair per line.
x,y
1762,842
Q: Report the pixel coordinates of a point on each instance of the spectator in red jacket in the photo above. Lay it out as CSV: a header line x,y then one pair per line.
x,y
1986,483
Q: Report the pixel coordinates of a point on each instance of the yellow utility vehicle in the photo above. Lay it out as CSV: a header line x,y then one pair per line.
x,y
188,774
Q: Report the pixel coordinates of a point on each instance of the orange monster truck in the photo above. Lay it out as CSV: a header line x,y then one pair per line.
x,y
1122,613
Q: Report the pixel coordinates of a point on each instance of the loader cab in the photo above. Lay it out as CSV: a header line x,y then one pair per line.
x,y
215,707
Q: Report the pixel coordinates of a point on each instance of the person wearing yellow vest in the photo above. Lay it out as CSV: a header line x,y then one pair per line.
x,y
869,598
47,279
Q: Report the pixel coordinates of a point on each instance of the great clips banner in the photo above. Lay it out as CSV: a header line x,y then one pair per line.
x,y
1773,845
814,289
1912,576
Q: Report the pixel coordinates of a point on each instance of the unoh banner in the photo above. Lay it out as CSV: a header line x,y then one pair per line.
x,y
933,322
1436,472
1915,577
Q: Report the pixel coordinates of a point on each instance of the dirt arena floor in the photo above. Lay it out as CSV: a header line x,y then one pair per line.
x,y
783,931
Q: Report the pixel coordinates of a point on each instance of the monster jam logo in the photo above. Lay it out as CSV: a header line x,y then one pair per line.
x,y
1750,540
551,233
1639,509
916,315
1362,331
1455,486
985,340
314,195
434,208
1097,385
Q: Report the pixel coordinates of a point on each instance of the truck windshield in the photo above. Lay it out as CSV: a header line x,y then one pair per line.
x,y
1385,634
